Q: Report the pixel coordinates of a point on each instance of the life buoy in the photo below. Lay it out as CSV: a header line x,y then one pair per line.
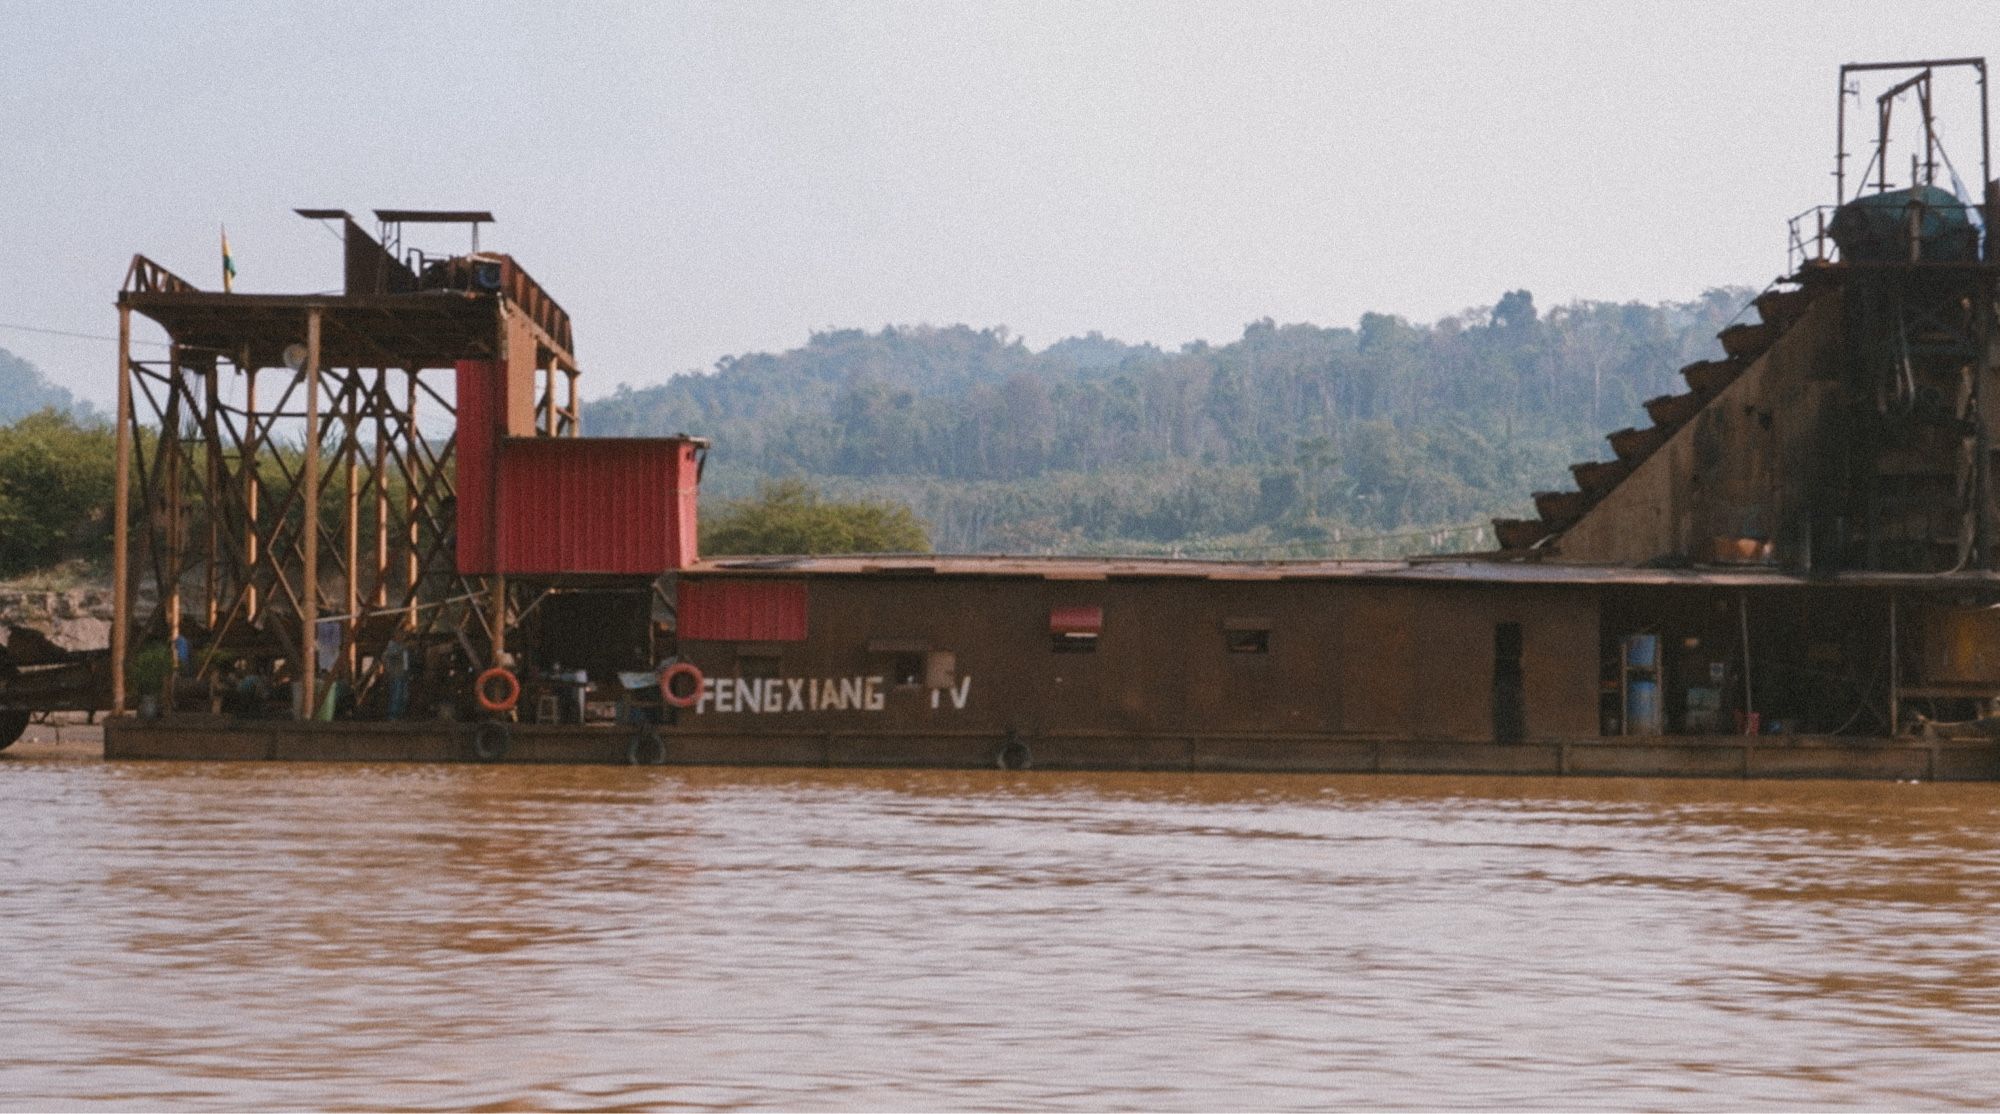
x,y
482,690
647,749
673,673
490,739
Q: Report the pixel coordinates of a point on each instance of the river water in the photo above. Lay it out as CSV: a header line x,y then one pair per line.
x,y
200,936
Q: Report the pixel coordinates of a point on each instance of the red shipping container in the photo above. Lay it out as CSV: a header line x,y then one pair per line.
x,y
596,505
729,610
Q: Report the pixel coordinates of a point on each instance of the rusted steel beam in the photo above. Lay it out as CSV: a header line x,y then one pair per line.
x,y
121,517
308,663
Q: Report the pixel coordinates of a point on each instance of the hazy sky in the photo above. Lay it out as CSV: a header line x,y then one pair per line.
x,y
697,180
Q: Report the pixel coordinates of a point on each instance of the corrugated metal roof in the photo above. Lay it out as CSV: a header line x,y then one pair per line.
x,y
1467,570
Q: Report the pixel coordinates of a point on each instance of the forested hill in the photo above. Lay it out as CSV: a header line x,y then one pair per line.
x,y
23,390
1291,439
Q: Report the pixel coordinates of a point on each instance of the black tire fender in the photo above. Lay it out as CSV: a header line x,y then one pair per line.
x,y
647,748
490,740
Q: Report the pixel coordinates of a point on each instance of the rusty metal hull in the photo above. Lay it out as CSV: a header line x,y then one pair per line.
x,y
186,738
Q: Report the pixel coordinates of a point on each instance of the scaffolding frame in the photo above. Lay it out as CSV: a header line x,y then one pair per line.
x,y
277,489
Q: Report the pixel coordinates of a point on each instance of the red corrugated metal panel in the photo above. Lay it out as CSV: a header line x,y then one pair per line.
x,y
743,610
688,506
1076,620
599,505
473,484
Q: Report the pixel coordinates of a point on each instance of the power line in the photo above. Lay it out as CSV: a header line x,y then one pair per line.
x,y
78,336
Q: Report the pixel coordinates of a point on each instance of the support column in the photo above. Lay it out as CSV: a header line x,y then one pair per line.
x,y
499,617
173,500
413,454
350,654
252,484
379,598
308,679
211,493
121,519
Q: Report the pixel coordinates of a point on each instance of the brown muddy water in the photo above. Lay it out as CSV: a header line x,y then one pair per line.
x,y
199,936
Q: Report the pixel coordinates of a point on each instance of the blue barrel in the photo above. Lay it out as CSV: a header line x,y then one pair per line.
x,y
1642,651
1642,708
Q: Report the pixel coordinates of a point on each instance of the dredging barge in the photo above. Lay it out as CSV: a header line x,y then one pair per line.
x,y
1790,573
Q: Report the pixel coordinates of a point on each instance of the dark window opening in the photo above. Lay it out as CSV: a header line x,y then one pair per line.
x,y
1248,641
1509,710
1074,643
907,671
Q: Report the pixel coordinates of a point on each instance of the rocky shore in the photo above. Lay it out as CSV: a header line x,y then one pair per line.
x,y
75,618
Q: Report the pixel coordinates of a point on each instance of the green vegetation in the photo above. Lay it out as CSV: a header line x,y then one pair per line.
x,y
1292,440
55,491
788,516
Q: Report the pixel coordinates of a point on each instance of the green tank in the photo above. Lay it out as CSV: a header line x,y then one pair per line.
x,y
1876,228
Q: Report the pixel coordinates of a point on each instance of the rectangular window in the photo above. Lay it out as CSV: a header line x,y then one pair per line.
x,y
1247,636
1249,641
1074,630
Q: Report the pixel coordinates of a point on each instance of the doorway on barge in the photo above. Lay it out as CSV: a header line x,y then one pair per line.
x,y
1779,659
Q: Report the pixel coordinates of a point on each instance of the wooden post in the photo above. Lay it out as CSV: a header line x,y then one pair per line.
x,y
575,417
309,586
121,519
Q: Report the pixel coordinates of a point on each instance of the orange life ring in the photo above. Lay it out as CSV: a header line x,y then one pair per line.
x,y
503,703
682,669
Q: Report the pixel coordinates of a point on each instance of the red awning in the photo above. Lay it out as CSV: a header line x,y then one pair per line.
x,y
1076,620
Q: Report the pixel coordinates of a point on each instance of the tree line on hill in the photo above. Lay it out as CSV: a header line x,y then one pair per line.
x,y
1293,439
